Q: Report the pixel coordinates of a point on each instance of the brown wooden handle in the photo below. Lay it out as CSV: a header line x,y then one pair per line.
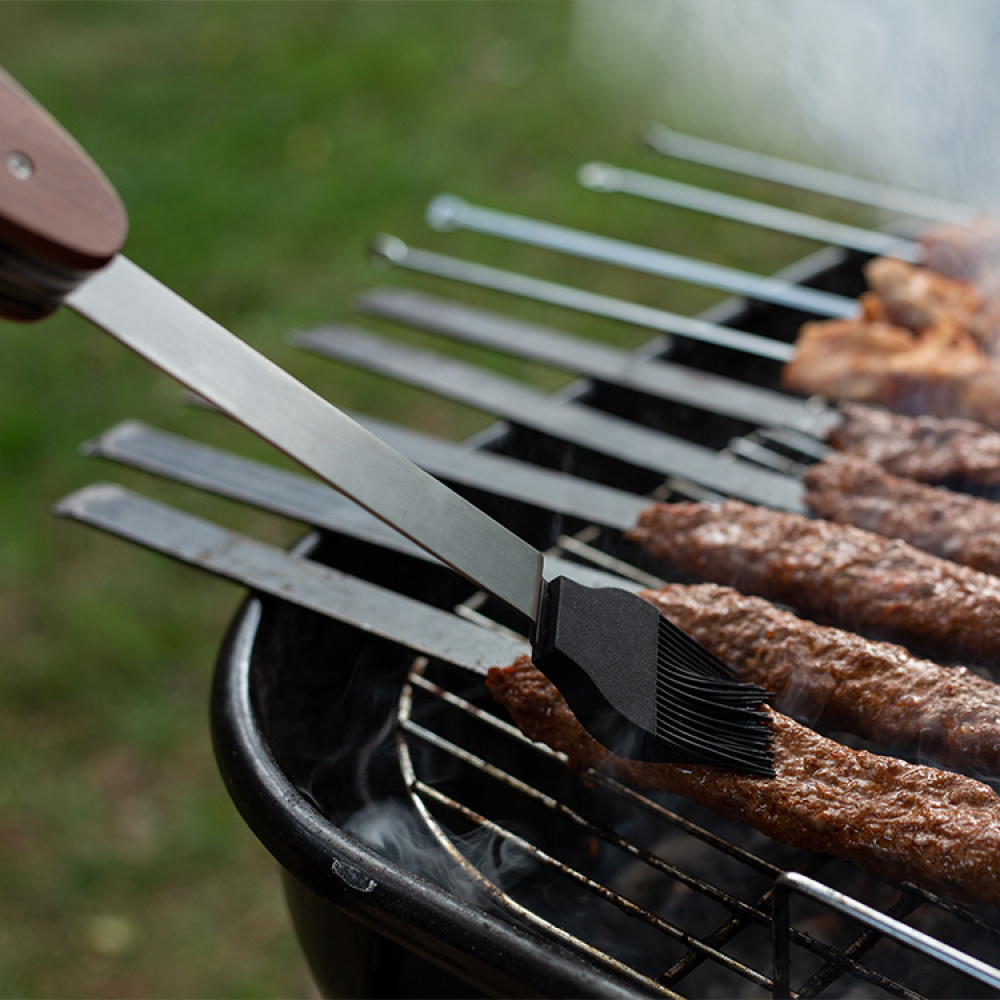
x,y
60,218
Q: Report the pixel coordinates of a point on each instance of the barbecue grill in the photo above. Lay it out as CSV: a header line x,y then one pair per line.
x,y
426,847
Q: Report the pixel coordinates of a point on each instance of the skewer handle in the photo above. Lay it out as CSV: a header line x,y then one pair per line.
x,y
60,218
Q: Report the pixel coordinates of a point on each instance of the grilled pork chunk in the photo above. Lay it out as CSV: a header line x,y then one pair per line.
x,y
917,298
903,822
940,371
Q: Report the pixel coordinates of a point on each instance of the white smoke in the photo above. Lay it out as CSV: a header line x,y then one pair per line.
x,y
901,91
398,833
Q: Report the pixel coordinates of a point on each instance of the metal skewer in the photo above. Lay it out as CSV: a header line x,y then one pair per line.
x,y
562,419
268,569
610,179
667,142
602,362
294,495
448,212
390,250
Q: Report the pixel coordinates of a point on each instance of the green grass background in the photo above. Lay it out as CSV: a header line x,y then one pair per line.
x,y
258,146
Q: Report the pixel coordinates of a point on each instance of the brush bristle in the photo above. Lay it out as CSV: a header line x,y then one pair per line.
x,y
704,711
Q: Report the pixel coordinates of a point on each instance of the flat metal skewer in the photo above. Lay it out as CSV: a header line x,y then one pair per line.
x,y
604,177
640,372
302,498
301,581
667,142
566,420
448,212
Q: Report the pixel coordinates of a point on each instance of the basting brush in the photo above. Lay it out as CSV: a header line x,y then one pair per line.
x,y
641,686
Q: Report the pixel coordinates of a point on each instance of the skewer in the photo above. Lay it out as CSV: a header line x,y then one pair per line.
x,y
390,250
565,420
448,212
268,569
579,356
667,142
303,498
609,179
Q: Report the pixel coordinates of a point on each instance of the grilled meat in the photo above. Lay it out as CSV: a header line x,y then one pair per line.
x,y
839,682
928,449
967,252
940,371
918,298
955,526
901,821
845,358
835,573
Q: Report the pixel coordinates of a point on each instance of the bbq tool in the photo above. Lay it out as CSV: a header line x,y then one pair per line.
x,y
640,685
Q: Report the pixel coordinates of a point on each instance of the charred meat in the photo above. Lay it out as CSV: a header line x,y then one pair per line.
x,y
928,449
940,371
917,298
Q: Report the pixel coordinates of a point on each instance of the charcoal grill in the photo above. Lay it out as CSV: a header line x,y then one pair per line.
x,y
426,847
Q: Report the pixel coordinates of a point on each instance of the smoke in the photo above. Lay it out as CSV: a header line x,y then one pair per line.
x,y
905,92
397,832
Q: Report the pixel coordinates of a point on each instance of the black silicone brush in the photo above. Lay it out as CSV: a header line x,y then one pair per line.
x,y
643,687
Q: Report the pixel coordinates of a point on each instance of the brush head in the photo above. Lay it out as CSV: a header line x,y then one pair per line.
x,y
644,688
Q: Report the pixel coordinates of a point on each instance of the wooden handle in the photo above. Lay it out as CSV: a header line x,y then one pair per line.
x,y
60,218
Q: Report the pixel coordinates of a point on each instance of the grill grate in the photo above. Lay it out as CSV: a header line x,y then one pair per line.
x,y
429,706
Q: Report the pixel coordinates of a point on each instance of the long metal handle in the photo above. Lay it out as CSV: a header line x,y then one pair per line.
x,y
62,224
166,330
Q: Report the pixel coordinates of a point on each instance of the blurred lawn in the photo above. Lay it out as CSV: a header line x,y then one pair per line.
x,y
257,147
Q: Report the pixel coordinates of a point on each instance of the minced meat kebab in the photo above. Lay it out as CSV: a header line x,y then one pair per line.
x,y
838,681
955,526
928,449
835,573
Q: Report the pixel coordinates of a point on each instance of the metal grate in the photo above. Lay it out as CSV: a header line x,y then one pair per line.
x,y
708,930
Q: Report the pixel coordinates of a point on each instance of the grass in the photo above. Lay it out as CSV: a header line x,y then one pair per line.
x,y
257,147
